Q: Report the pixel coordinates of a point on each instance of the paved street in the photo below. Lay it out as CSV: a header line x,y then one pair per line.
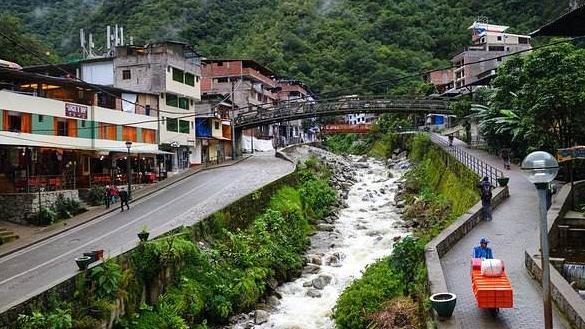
x,y
513,229
32,270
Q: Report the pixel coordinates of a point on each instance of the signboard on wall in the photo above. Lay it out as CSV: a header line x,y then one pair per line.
x,y
75,111
576,152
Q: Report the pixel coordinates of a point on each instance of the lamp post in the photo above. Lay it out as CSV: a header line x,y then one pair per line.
x,y
128,146
541,168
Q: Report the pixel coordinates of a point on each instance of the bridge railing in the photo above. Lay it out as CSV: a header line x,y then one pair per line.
x,y
477,165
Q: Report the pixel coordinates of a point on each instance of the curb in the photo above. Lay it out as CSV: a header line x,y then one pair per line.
x,y
141,196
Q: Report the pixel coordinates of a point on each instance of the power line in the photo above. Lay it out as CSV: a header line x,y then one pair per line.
x,y
87,84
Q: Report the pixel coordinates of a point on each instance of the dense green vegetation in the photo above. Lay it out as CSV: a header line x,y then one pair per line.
x,y
537,103
437,191
202,281
329,44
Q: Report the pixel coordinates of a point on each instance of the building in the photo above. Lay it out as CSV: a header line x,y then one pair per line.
x,y
487,41
61,133
293,92
213,130
442,80
170,71
360,118
254,86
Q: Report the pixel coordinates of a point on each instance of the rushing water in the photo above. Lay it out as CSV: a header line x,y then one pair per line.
x,y
364,232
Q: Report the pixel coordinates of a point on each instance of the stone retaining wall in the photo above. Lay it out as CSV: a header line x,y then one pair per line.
x,y
17,207
566,298
443,242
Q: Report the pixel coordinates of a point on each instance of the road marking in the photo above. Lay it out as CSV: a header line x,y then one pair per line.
x,y
103,236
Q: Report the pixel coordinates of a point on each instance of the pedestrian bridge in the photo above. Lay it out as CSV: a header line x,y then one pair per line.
x,y
289,111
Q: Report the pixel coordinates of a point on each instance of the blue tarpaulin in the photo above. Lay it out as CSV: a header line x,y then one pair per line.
x,y
202,127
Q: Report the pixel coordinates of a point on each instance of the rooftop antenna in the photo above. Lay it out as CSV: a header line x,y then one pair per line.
x,y
82,40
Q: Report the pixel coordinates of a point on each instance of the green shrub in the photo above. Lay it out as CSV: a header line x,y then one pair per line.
x,y
106,278
66,208
317,197
96,195
46,216
366,295
57,319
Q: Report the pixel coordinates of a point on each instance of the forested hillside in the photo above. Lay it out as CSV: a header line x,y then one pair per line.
x,y
330,44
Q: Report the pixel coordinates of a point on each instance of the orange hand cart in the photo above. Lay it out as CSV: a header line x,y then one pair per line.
x,y
492,293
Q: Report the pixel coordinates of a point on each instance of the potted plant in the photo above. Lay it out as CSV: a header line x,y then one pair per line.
x,y
83,262
444,303
503,181
143,234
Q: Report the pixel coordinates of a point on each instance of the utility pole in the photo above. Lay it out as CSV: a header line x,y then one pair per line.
x,y
233,117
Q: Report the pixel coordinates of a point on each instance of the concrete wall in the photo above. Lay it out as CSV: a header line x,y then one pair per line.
x,y
17,207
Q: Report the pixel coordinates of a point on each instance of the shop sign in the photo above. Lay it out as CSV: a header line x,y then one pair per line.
x,y
75,111
572,153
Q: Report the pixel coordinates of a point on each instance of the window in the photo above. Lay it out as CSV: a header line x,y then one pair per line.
x,y
107,131
126,75
197,78
148,136
499,38
184,126
62,128
184,103
216,125
172,124
129,133
523,41
189,79
41,118
259,97
496,48
178,75
220,64
222,80
83,123
172,100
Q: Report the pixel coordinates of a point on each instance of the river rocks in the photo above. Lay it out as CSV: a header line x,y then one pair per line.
x,y
363,159
313,293
311,269
260,316
362,165
307,284
325,227
315,259
321,281
272,284
272,301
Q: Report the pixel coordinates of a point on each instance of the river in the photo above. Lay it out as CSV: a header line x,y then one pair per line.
x,y
365,231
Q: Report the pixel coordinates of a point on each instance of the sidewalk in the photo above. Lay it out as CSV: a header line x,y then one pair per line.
x,y
29,235
514,228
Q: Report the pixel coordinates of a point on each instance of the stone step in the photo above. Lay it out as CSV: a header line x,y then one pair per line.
x,y
7,238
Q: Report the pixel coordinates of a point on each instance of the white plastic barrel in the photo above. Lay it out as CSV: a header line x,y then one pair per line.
x,y
492,267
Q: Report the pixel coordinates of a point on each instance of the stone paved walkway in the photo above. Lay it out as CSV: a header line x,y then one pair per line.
x,y
513,229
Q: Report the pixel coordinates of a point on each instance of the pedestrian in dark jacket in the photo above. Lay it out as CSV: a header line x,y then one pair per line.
x,y
505,154
124,198
108,196
485,188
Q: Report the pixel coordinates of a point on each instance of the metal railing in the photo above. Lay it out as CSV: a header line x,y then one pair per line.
x,y
476,165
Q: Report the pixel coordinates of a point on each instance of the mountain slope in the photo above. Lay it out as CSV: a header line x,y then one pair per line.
x,y
330,44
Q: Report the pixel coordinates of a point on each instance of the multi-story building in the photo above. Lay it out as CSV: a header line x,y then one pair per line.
x,y
442,80
213,129
253,86
487,41
171,71
59,133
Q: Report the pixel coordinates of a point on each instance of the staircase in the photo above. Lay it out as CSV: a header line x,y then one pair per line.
x,y
6,235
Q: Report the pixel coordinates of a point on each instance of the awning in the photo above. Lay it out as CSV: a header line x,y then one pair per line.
x,y
222,138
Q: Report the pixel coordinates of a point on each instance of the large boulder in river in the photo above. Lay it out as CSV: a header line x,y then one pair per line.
x,y
313,293
260,316
321,281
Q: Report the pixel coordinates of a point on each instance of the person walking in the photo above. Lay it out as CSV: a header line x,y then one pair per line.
x,y
451,140
485,188
124,198
483,251
505,154
108,196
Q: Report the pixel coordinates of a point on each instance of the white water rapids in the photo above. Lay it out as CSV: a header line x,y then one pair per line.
x,y
363,233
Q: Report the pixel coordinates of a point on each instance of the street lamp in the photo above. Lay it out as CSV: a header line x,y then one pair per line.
x,y
128,146
540,169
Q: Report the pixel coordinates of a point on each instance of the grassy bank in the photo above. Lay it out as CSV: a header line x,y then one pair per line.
x,y
194,277
393,292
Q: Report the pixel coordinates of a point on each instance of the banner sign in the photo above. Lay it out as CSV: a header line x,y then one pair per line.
x,y
572,153
75,111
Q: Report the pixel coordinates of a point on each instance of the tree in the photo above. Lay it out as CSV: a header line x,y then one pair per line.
x,y
539,101
17,34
